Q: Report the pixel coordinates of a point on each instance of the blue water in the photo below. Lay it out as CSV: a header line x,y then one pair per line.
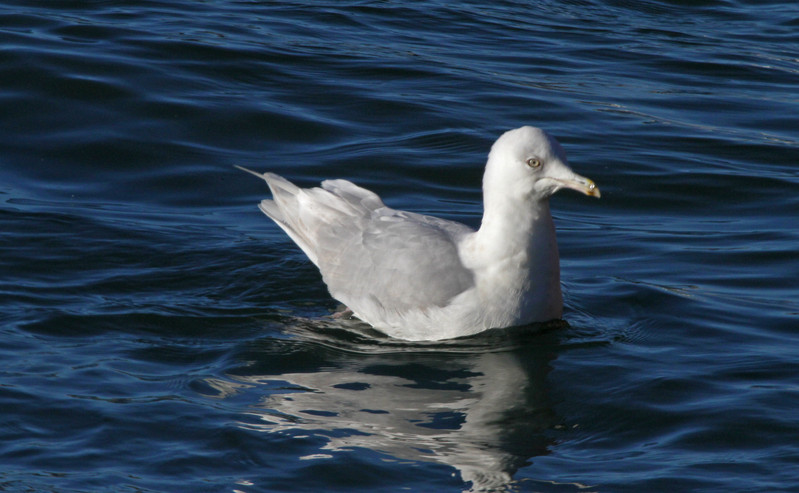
x,y
158,333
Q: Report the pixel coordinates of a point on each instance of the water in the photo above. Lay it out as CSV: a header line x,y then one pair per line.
x,y
160,334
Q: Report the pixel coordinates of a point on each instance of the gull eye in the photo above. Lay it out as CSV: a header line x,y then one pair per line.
x,y
534,162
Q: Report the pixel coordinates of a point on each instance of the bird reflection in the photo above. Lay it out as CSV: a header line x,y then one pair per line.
x,y
479,406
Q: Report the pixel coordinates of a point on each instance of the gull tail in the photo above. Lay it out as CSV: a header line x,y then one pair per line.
x,y
284,209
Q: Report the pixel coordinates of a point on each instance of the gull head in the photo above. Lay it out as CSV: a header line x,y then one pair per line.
x,y
528,163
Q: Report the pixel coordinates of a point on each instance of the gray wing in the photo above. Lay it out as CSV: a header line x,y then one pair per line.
x,y
396,259
368,252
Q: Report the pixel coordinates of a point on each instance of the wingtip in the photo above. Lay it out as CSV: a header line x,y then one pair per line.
x,y
255,173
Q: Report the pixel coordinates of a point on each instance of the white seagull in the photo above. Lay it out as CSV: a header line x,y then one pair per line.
x,y
417,277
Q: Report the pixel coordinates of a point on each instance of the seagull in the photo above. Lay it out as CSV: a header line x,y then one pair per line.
x,y
421,278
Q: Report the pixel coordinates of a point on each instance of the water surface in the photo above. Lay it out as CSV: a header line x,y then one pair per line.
x,y
160,334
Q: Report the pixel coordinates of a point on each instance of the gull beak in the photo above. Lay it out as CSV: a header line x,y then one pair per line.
x,y
581,184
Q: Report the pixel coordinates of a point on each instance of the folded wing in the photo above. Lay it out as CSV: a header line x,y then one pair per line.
x,y
371,257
